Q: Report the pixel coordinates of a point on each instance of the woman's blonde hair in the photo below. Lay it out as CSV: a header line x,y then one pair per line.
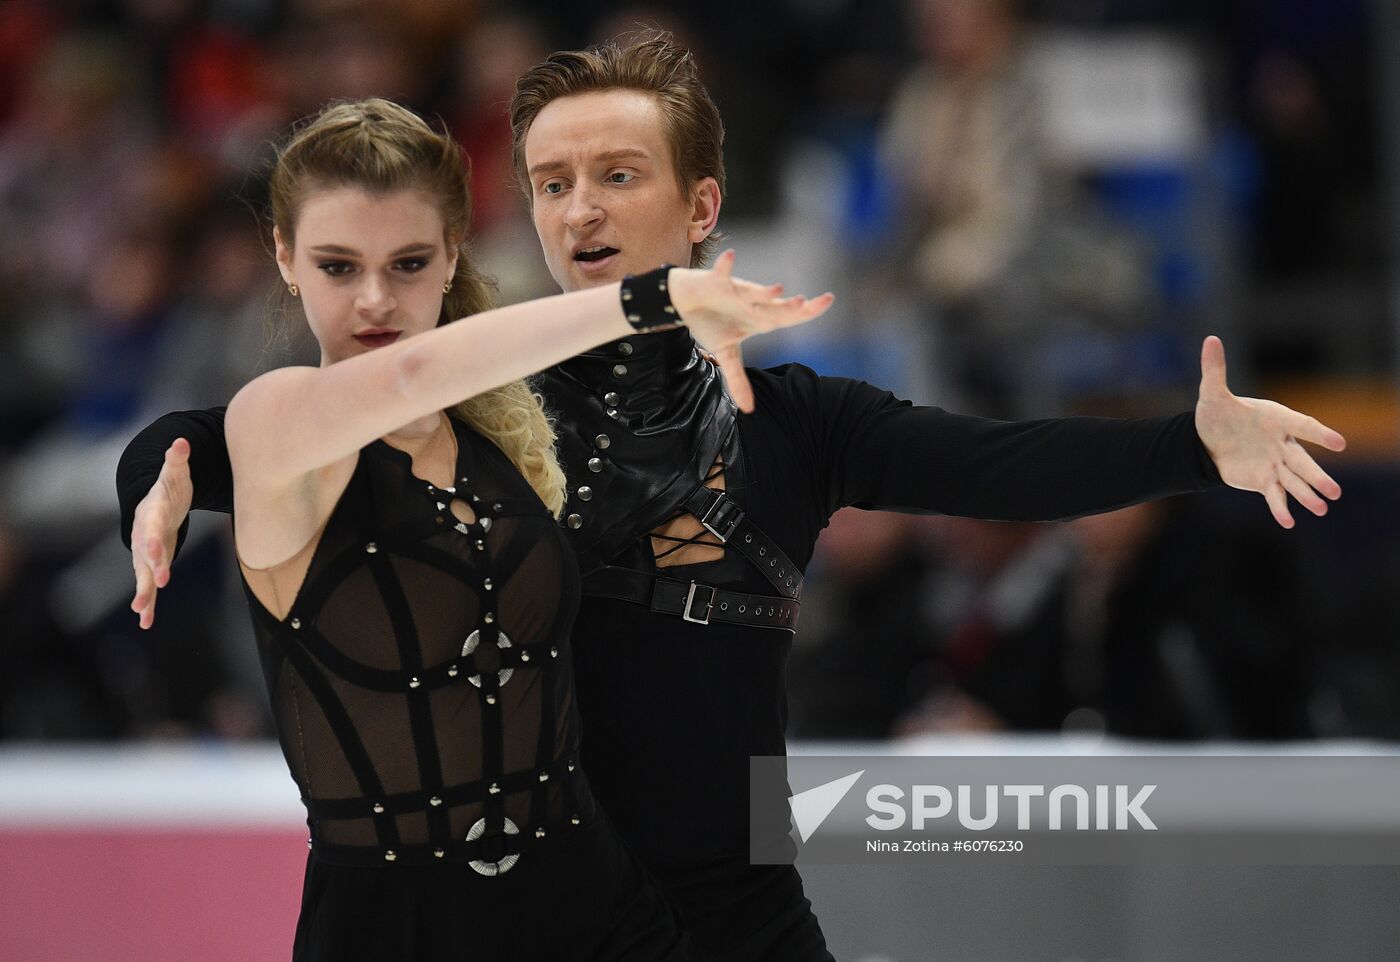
x,y
380,146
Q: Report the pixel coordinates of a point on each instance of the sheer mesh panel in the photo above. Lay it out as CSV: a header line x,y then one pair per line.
x,y
396,737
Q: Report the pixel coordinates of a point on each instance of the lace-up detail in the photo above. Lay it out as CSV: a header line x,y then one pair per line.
x,y
682,520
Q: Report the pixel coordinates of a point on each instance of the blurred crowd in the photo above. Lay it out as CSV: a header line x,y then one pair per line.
x,y
1030,209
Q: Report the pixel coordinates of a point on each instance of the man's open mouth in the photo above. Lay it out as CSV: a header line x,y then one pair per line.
x,y
595,253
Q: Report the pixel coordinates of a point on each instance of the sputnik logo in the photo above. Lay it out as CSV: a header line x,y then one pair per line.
x,y
810,808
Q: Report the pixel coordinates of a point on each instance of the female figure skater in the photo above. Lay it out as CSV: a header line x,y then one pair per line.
x,y
410,591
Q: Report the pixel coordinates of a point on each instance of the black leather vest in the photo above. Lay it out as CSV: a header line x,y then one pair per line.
x,y
640,421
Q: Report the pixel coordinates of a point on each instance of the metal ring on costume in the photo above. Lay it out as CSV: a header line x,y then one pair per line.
x,y
507,861
469,646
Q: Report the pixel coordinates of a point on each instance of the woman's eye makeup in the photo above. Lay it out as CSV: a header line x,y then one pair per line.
x,y
409,265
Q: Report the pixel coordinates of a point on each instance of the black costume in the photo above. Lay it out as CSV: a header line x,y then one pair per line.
x,y
423,696
679,677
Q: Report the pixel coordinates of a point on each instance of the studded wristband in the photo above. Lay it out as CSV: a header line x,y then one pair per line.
x,y
647,302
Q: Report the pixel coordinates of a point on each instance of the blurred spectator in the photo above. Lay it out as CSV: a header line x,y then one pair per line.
x,y
1153,623
488,59
1013,262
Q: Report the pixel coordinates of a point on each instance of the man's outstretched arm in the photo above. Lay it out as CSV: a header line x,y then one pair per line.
x,y
884,453
157,478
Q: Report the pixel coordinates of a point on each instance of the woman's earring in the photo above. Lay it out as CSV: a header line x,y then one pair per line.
x,y
293,290
447,287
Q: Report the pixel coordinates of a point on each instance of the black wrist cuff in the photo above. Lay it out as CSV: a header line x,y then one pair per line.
x,y
646,300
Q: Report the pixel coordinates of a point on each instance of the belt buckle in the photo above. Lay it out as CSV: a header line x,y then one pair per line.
x,y
690,600
718,505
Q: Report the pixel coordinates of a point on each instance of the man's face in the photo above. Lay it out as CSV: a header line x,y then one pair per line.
x,y
604,193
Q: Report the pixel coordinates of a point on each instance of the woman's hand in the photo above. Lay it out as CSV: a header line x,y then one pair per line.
x,y
156,526
721,310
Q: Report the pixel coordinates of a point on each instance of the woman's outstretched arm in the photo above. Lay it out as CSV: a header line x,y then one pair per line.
x,y
292,421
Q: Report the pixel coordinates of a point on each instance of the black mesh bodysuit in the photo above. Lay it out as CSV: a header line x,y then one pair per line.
x,y
422,688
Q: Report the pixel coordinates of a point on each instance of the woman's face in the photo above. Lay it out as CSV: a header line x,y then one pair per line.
x,y
370,267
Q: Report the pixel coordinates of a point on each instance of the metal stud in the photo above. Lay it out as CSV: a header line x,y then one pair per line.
x,y
742,609
626,294
440,519
661,284
625,348
595,465
601,442
371,548
414,683
308,843
435,801
724,606
619,370
612,413
524,656
496,507
612,398
573,820
669,309
390,855
770,612
539,832
438,853
441,505
585,493
782,573
378,808
575,521
461,527
554,652
480,545
489,617
494,789
634,318
486,585
773,563
762,551
490,699
748,538
485,525
544,776
452,672
571,766
295,623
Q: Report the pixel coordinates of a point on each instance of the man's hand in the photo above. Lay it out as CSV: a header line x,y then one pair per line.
x,y
156,525
1254,443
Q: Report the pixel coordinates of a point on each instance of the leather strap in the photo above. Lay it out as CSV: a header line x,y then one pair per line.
x,y
723,518
692,601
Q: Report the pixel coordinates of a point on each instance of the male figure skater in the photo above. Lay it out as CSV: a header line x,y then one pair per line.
x,y
693,522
